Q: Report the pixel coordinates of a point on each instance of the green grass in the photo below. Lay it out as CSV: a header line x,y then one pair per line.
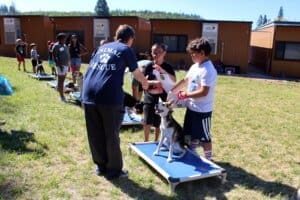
x,y
44,152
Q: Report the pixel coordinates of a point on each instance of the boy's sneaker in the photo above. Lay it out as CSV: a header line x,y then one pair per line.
x,y
120,174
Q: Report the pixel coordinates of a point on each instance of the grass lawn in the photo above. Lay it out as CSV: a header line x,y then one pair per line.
x,y
44,152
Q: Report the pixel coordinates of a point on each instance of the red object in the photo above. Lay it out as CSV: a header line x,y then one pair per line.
x,y
20,58
181,95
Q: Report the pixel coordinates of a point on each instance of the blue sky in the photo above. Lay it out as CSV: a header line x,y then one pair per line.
x,y
238,10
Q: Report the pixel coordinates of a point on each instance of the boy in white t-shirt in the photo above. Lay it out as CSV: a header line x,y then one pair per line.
x,y
199,95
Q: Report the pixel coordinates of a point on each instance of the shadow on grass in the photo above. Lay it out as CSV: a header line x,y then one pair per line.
x,y
18,141
10,190
212,187
236,176
131,128
136,191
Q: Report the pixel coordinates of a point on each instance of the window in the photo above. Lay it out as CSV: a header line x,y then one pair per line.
x,y
12,30
175,43
287,50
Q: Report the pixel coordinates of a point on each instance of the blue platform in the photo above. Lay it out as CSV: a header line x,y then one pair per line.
x,y
131,118
188,168
53,83
42,76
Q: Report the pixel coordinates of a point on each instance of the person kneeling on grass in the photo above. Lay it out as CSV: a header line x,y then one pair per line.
x,y
200,80
62,59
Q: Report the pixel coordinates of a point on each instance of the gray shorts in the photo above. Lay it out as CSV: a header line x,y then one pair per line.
x,y
62,70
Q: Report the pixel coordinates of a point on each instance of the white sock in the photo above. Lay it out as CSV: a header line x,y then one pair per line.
x,y
208,154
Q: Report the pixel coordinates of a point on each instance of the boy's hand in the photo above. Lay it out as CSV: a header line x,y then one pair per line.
x,y
145,85
182,95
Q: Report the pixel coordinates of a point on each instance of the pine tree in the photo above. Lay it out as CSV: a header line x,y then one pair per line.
x,y
265,20
3,9
280,14
101,8
259,21
12,9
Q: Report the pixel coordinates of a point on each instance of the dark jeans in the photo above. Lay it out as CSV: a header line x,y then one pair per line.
x,y
103,124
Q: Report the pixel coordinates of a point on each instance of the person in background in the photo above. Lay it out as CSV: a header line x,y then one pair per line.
x,y
21,49
136,87
62,60
155,91
103,99
34,57
200,80
76,50
51,62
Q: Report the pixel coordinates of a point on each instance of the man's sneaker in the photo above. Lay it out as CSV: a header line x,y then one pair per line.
x,y
120,174
63,99
100,171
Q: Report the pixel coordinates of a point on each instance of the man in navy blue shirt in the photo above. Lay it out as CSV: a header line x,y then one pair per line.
x,y
103,98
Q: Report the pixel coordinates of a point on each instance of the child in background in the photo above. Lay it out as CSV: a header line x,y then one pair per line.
x,y
51,61
61,57
21,53
34,57
200,80
76,50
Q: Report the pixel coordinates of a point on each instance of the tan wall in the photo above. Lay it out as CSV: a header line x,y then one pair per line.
x,y
5,50
143,37
263,38
286,67
261,43
235,37
36,29
142,28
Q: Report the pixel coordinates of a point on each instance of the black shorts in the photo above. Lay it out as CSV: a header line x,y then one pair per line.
x,y
34,63
150,118
198,125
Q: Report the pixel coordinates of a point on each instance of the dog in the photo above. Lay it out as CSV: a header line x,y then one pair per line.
x,y
172,134
40,68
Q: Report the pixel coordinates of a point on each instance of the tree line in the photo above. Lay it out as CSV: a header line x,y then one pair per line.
x,y
8,10
262,20
101,9
143,14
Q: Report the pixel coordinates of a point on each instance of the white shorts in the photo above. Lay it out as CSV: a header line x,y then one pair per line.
x,y
62,70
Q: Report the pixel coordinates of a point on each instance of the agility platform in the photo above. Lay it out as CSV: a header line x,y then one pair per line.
x,y
42,76
188,168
